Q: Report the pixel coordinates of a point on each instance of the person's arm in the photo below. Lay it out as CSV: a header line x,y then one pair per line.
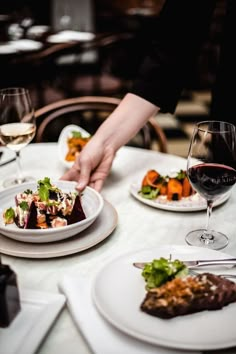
x,y
171,58
179,35
94,162
126,120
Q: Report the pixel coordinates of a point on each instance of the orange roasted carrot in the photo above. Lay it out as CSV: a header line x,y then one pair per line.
x,y
150,178
187,189
174,189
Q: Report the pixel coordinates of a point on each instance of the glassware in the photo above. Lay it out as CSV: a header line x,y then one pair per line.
x,y
17,126
211,171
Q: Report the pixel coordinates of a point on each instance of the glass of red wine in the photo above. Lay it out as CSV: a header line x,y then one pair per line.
x,y
211,169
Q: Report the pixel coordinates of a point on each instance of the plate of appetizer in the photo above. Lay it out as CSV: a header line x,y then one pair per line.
x,y
47,211
71,141
179,311
171,192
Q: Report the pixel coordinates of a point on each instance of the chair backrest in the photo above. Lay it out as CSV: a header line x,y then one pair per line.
x,y
89,112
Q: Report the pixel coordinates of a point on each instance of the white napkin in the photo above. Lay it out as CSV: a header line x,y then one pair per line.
x,y
101,336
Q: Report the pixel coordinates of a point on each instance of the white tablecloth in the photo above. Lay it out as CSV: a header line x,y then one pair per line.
x,y
138,226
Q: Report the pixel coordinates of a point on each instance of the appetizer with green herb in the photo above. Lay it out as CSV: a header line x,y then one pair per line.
x,y
47,207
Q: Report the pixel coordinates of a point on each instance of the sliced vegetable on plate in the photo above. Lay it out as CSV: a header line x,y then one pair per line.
x,y
72,140
173,187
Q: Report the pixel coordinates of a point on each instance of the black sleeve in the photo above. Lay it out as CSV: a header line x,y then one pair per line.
x,y
181,29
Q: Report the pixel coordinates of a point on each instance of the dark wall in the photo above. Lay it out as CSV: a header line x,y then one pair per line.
x,y
40,11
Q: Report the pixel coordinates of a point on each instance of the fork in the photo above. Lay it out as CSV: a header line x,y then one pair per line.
x,y
192,272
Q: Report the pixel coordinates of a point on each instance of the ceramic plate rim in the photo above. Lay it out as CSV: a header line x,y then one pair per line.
x,y
40,235
135,187
62,142
131,328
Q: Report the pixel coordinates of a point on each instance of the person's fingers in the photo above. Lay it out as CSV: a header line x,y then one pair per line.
x,y
84,174
70,176
97,185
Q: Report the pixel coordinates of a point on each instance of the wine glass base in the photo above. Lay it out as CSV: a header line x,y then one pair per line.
x,y
216,242
10,182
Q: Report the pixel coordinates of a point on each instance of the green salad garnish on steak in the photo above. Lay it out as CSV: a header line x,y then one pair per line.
x,y
161,270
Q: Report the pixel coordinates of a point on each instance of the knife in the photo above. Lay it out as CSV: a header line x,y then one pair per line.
x,y
7,162
198,263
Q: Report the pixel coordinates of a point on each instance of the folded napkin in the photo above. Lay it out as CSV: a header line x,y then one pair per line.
x,y
101,336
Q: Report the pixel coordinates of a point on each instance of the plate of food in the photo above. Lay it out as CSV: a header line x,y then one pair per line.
x,y
71,141
171,192
47,211
182,322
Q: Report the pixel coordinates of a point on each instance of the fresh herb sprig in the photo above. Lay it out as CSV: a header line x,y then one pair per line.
x,y
44,188
161,270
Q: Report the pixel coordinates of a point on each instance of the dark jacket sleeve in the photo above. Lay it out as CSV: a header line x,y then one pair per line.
x,y
181,29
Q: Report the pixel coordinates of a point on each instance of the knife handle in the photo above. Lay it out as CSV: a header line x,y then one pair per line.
x,y
228,261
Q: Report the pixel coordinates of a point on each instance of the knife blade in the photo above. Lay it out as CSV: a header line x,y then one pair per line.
x,y
7,162
197,263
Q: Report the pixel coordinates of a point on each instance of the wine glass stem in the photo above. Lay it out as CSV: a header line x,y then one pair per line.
x,y
19,178
207,237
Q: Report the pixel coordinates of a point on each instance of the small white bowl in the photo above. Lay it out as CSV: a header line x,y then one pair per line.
x,y
62,142
91,201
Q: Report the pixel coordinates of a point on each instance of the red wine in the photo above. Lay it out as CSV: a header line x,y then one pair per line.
x,y
211,180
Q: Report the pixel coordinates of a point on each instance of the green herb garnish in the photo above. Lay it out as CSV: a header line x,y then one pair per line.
x,y
148,192
44,187
9,215
24,206
76,134
159,271
28,191
181,175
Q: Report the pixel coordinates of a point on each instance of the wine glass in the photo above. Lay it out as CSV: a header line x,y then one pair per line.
x,y
211,171
17,126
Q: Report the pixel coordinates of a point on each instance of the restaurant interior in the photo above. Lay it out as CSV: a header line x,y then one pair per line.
x,y
103,65
128,262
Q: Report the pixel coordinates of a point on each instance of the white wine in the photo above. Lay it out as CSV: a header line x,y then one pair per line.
x,y
17,135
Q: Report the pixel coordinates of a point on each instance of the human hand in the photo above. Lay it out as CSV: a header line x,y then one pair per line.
x,y
92,166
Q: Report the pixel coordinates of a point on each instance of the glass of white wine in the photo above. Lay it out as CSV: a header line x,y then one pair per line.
x,y
17,126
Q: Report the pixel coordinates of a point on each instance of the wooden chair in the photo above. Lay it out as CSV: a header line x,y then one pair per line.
x,y
89,112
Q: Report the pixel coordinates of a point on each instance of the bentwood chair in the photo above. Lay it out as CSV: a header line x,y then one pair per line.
x,y
89,112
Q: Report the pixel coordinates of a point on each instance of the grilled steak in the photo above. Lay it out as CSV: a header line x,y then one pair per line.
x,y
182,296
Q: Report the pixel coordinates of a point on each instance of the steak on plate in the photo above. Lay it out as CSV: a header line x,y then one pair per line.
x,y
182,296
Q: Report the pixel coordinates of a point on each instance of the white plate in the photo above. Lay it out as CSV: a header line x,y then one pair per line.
x,y
26,45
62,142
102,227
68,36
92,203
37,31
193,203
7,49
27,330
119,289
